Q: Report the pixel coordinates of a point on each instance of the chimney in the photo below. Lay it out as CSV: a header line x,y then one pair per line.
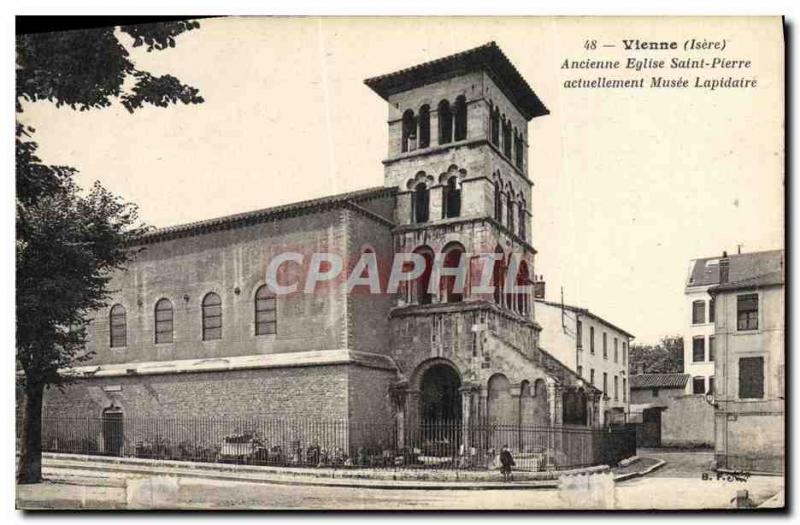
x,y
538,287
724,265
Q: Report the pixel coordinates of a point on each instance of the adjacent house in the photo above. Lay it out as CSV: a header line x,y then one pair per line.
x,y
593,347
665,415
749,395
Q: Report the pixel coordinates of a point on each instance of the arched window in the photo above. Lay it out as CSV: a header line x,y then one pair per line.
x,y
445,122
523,279
522,208
265,308
494,113
425,126
118,326
461,118
498,200
499,275
451,198
164,328
518,148
453,255
419,203
212,317
506,137
420,287
409,136
510,210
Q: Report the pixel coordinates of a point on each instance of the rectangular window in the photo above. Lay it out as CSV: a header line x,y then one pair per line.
x,y
580,371
591,376
616,350
751,378
699,385
747,312
605,345
624,389
711,314
711,385
711,348
698,312
655,392
605,383
616,388
699,349
579,335
624,353
591,339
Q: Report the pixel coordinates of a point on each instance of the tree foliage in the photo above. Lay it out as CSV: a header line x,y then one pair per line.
x,y
70,241
662,358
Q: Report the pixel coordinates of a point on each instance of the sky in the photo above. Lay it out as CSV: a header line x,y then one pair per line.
x,y
629,185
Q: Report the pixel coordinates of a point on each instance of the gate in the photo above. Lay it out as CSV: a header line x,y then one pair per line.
x,y
113,432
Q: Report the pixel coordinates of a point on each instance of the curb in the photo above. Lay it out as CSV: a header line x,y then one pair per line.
x,y
648,470
295,480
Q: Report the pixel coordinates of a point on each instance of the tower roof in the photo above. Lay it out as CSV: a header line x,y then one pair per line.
x,y
487,57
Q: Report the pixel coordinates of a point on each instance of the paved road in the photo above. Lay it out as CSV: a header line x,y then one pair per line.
x,y
680,464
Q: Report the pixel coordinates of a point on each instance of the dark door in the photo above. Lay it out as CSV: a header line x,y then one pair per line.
x,y
113,435
648,432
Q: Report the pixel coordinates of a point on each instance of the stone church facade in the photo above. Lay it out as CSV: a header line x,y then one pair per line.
x,y
193,330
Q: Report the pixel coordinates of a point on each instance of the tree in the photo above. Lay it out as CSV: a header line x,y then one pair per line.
x,y
70,241
662,358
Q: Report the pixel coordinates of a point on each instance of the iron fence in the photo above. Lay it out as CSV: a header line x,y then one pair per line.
x,y
339,443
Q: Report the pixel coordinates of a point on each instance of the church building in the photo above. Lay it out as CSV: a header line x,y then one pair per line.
x,y
193,330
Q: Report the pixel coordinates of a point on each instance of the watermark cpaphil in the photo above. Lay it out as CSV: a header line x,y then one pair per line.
x,y
450,273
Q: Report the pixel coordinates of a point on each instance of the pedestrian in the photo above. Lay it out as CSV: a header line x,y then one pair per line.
x,y
506,462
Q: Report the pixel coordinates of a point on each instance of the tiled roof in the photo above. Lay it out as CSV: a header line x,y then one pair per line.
x,y
587,313
659,380
705,272
487,57
265,214
553,367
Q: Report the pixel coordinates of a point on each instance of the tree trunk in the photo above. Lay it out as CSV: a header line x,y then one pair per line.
x,y
30,461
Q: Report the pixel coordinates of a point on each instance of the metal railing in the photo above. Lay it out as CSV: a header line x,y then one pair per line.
x,y
338,443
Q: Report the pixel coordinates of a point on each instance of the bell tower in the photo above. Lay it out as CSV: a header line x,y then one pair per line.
x,y
458,155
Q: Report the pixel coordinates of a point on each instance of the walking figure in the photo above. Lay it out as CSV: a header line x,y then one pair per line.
x,y
506,462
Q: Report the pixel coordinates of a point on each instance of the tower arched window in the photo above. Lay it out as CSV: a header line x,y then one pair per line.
x,y
522,209
494,115
212,317
499,275
498,201
523,280
409,135
421,286
445,117
420,203
118,326
518,149
453,255
265,311
461,118
451,198
506,137
509,211
164,328
425,126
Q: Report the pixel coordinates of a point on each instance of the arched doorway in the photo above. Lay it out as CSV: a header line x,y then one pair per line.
x,y
441,399
440,410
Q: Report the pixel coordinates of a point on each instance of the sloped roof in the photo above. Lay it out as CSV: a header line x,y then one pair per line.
x,y
266,214
705,272
487,57
555,368
587,313
659,380
768,279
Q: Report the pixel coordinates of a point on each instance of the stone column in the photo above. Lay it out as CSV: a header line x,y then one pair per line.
x,y
555,393
398,394
412,418
467,391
